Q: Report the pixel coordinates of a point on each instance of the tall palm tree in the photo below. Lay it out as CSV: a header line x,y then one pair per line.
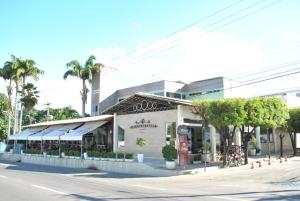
x,y
29,97
9,74
85,73
27,69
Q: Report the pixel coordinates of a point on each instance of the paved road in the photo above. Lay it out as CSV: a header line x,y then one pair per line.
x,y
26,182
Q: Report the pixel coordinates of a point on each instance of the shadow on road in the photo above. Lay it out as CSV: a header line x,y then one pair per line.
x,y
265,196
76,172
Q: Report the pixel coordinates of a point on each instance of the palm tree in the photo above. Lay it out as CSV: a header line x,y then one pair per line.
x,y
15,72
9,74
29,97
85,73
27,69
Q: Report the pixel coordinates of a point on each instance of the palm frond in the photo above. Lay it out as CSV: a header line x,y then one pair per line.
x,y
70,73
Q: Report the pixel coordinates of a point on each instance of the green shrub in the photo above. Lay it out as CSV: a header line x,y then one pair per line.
x,y
72,153
129,155
169,153
31,151
111,155
120,155
52,152
140,142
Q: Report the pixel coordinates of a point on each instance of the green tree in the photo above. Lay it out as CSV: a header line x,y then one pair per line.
x,y
85,73
37,116
28,69
29,97
3,116
225,113
255,113
276,115
293,126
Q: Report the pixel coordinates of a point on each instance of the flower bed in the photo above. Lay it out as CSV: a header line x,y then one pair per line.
x,y
110,155
32,151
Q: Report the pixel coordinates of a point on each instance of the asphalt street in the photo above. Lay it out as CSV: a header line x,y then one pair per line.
x,y
27,182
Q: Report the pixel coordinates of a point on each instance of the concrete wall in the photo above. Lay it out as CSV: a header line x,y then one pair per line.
x,y
155,137
109,166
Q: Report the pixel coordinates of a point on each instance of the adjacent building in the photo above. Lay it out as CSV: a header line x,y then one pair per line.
x,y
214,88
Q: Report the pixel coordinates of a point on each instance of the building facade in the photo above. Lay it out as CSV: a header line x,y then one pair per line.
x,y
214,88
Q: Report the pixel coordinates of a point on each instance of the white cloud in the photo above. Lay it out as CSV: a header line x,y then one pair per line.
x,y
136,25
203,55
292,36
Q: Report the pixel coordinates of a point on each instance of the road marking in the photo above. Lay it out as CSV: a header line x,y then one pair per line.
x,y
6,165
226,198
49,189
3,177
148,187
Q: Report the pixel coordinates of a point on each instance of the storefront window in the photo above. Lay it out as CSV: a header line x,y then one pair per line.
x,y
121,136
171,133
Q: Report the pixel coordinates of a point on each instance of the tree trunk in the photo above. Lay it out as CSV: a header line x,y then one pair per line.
x,y
269,148
83,97
21,106
16,110
293,141
281,136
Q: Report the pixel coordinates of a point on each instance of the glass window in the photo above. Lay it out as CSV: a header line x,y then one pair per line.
x,y
171,133
264,135
159,93
121,136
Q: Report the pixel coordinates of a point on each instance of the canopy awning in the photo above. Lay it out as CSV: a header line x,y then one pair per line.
x,y
78,133
55,134
38,136
23,135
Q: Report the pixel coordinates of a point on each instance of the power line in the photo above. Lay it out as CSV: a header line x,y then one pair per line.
x,y
254,82
182,29
146,55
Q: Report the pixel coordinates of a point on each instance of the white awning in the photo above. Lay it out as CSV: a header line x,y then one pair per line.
x,y
77,134
55,134
25,133
38,136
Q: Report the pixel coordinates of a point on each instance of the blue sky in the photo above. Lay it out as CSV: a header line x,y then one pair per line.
x,y
53,32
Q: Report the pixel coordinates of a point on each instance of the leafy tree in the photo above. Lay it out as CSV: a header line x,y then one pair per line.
x,y
255,113
85,73
293,126
225,113
37,116
275,116
3,116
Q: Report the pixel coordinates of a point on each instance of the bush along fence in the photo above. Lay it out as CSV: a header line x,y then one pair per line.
x,y
97,155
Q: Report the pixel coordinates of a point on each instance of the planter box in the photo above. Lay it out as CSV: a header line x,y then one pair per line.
x,y
171,165
205,157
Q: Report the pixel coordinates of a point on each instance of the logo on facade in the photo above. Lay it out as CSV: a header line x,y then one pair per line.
x,y
143,124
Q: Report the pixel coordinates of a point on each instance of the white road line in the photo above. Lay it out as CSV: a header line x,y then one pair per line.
x,y
6,165
226,198
148,187
3,177
49,189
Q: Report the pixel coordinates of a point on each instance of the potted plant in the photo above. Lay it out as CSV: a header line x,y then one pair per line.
x,y
253,143
170,154
141,142
206,156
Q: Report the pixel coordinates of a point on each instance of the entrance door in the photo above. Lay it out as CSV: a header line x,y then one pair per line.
x,y
195,137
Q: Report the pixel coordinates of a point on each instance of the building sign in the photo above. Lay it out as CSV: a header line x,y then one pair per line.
x,y
143,124
183,130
